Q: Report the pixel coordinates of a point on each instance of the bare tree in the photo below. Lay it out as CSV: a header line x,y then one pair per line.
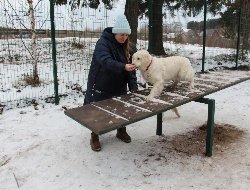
x,y
34,80
33,41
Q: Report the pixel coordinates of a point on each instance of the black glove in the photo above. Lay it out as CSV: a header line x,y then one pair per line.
x,y
134,90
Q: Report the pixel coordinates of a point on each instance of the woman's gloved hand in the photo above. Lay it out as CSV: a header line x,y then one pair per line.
x,y
134,90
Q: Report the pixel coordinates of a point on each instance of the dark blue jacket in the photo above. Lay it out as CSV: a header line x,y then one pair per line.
x,y
107,75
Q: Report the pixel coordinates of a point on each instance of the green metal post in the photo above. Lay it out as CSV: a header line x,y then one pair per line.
x,y
210,127
53,41
150,25
204,36
210,124
238,39
159,124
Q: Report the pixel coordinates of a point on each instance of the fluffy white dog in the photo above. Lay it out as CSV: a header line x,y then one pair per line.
x,y
159,70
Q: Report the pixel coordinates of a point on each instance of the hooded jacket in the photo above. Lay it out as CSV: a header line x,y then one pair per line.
x,y
107,75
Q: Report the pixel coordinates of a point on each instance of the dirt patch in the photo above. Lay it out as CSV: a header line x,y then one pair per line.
x,y
194,142
177,149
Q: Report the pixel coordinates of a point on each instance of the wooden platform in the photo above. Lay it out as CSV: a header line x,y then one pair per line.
x,y
104,116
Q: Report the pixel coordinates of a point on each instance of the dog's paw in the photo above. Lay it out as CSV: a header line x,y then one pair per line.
x,y
190,87
149,98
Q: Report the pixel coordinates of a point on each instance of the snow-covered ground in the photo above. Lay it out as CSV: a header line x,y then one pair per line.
x,y
41,148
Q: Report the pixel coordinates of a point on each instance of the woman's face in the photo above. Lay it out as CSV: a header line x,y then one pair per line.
x,y
121,38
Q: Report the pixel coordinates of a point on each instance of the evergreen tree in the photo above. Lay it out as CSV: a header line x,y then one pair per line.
x,y
230,18
136,8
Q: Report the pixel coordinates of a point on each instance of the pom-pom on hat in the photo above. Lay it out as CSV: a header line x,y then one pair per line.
x,y
121,25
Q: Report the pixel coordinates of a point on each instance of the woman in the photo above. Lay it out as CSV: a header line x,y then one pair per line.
x,y
110,71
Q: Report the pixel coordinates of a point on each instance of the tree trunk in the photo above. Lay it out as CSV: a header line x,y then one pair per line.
x,y
157,33
132,13
33,42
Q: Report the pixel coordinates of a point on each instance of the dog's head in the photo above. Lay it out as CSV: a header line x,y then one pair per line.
x,y
141,59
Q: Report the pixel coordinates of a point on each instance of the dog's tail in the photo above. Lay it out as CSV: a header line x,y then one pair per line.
x,y
175,110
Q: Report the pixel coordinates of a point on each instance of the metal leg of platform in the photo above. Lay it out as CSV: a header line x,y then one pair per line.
x,y
210,124
159,124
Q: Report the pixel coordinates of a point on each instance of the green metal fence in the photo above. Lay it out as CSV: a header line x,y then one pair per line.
x,y
76,32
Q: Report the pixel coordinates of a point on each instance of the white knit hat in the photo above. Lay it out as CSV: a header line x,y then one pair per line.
x,y
121,25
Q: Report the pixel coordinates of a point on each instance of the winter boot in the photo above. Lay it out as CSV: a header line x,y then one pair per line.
x,y
123,135
94,142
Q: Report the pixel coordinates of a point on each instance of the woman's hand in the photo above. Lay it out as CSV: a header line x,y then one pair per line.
x,y
130,67
134,90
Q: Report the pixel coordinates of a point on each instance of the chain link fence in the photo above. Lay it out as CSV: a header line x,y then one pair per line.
x,y
76,34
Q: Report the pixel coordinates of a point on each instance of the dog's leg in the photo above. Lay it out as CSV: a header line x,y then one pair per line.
x,y
191,86
191,83
156,90
190,78
175,110
176,80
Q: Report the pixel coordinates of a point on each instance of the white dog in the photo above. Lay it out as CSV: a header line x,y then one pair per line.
x,y
159,70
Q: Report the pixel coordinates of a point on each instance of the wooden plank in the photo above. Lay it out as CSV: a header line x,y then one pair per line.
x,y
210,83
101,117
130,112
203,87
229,74
95,119
180,93
137,100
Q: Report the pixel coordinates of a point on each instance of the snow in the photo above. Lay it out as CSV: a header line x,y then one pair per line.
x,y
44,149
